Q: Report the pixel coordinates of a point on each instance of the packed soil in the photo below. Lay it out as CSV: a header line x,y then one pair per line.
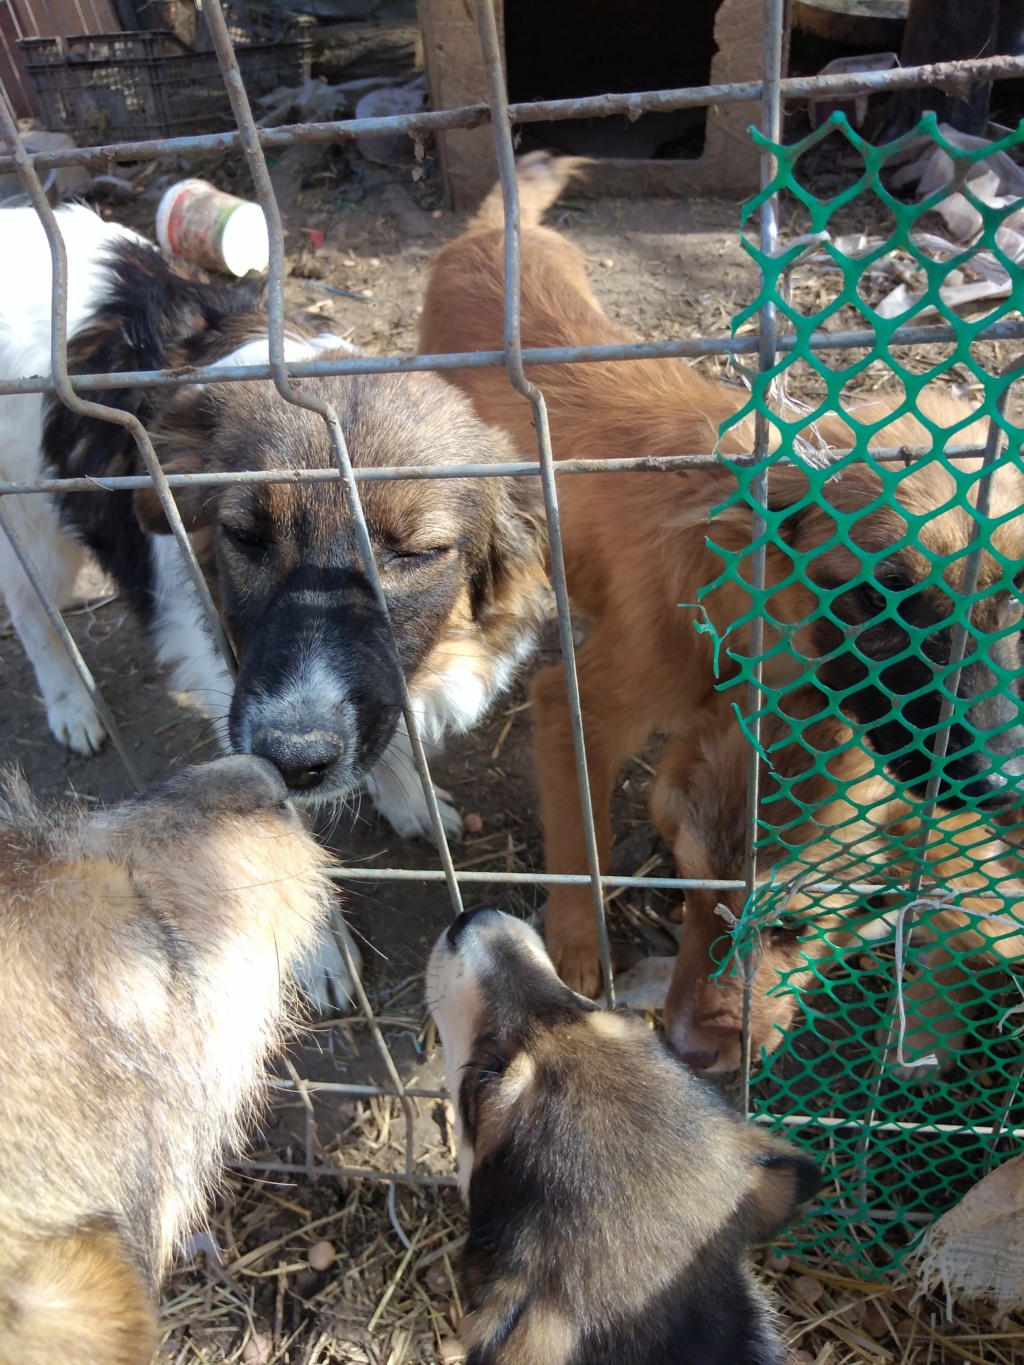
x,y
361,238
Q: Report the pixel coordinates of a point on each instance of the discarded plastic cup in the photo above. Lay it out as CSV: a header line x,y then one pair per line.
x,y
200,223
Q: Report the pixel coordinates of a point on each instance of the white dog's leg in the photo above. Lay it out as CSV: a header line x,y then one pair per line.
x,y
395,788
57,559
322,974
184,642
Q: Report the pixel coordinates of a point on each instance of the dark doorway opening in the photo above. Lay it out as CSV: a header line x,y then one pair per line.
x,y
563,49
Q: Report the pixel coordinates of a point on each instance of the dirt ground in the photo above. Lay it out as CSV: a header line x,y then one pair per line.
x,y
665,269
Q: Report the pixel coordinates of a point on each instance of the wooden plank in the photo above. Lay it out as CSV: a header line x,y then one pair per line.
x,y
455,76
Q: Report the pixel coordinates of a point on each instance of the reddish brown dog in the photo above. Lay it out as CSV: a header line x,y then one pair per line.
x,y
636,548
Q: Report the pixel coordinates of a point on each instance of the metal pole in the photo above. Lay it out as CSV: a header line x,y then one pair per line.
x,y
771,127
498,103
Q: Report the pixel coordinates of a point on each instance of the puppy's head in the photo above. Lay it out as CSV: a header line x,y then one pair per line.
x,y
610,1195
704,1010
887,554
320,684
704,1006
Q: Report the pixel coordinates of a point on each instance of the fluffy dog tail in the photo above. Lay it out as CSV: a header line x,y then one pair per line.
x,y
78,1299
541,178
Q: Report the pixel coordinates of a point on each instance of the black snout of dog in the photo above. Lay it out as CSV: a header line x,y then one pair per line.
x,y
994,770
304,758
319,690
982,765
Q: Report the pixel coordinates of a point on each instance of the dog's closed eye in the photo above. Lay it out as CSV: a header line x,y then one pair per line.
x,y
410,557
481,1070
249,539
485,1067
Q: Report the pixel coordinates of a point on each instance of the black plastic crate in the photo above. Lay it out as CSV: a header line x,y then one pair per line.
x,y
148,84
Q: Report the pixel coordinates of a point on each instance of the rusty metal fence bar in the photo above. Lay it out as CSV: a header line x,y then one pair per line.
x,y
767,350
646,464
690,349
490,46
541,111
766,344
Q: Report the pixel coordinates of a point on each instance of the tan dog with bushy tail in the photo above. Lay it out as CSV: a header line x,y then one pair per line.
x,y
636,548
145,956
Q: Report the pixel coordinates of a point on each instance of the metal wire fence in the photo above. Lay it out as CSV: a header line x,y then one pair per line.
x,y
852,1116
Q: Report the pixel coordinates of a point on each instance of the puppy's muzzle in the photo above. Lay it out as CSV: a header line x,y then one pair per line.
x,y
458,926
304,758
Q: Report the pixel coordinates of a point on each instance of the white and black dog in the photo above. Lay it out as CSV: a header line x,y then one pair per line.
x,y
612,1198
318,690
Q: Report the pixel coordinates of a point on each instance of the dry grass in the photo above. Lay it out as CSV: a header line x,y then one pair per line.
x,y
325,1272
389,1295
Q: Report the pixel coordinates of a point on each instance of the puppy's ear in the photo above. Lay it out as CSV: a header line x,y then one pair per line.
x,y
784,1180
488,1063
509,580
181,437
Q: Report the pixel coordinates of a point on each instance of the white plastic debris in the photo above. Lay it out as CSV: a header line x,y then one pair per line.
x,y
976,1249
317,101
645,986
314,101
855,107
395,149
996,181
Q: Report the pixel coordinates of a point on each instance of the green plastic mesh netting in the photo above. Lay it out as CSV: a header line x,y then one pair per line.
x,y
889,717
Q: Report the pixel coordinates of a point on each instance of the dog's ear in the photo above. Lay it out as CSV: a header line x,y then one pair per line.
x,y
788,487
181,437
784,1179
509,579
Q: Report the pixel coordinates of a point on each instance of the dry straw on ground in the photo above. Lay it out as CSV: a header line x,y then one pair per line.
x,y
389,1295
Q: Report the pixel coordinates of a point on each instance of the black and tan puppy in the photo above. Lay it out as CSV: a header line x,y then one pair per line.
x,y
145,954
611,1197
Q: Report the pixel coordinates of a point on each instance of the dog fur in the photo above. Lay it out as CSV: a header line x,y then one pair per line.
x,y
144,978
611,1196
637,552
319,686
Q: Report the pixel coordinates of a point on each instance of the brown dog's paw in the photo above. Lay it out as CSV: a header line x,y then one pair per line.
x,y
574,951
579,966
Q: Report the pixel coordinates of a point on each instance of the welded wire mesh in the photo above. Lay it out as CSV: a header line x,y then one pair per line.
x,y
896,1153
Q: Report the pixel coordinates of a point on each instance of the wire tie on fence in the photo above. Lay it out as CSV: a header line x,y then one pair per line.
x,y
1007,1014
901,1060
725,913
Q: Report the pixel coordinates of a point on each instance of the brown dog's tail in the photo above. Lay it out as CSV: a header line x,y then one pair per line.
x,y
541,178
76,1298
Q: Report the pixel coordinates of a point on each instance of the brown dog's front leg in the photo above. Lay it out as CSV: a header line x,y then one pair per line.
x,y
611,732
